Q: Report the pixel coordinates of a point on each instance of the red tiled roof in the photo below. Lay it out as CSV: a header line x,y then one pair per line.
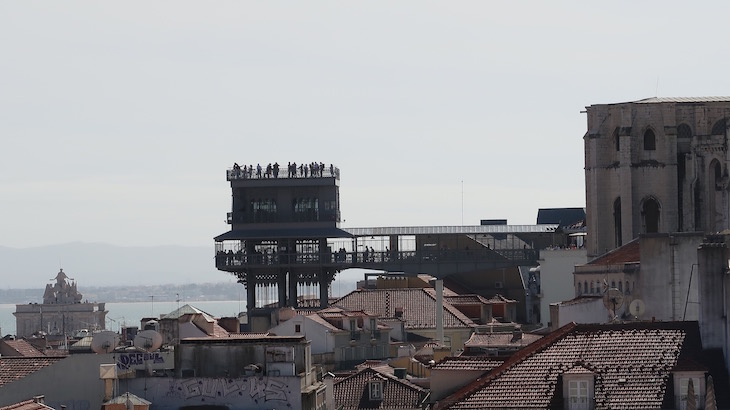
x,y
15,368
22,347
629,253
466,299
581,299
481,363
505,339
352,392
27,405
500,299
419,307
632,363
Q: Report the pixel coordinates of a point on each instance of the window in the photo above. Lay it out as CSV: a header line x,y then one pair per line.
x,y
578,395
617,139
697,386
684,131
593,287
650,212
263,210
305,209
617,222
720,127
376,390
297,328
580,288
354,334
649,140
620,286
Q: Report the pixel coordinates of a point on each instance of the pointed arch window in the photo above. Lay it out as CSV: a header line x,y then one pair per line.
x,y
684,131
720,127
650,212
617,222
649,140
718,175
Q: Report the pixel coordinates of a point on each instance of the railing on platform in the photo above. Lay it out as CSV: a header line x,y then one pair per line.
x,y
230,259
281,172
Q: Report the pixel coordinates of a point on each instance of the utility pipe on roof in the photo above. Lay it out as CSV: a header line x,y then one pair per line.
x,y
440,310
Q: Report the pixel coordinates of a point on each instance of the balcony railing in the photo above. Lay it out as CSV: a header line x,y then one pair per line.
x,y
241,259
274,217
251,172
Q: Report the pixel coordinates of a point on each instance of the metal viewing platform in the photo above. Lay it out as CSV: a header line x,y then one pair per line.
x,y
285,239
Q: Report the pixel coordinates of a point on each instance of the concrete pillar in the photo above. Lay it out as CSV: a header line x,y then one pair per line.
x,y
281,288
629,228
329,393
324,289
440,310
712,257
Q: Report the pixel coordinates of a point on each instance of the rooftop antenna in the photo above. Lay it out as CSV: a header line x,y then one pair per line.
x,y
613,299
462,202
637,308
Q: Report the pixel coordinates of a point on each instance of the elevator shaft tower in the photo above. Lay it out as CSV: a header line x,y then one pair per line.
x,y
282,227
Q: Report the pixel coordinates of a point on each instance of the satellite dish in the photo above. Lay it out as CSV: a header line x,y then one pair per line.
x,y
613,299
148,340
637,308
105,342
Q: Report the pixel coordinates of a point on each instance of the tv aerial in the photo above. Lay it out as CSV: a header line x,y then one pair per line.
x,y
148,340
637,308
613,299
105,342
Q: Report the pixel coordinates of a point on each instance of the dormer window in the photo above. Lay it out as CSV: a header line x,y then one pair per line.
x,y
376,390
578,388
578,394
681,388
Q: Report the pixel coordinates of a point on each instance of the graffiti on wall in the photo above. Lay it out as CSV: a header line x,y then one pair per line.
x,y
127,360
257,389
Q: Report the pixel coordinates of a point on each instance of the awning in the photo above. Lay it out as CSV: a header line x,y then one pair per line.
x,y
288,233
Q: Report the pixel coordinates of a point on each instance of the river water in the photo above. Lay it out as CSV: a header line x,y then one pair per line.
x,y
130,314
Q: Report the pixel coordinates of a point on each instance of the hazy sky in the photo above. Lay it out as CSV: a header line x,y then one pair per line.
x,y
119,119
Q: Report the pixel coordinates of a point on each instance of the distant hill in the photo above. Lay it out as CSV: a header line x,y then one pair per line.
x,y
97,264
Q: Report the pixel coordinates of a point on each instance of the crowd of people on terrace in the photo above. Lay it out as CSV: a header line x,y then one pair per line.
x,y
313,169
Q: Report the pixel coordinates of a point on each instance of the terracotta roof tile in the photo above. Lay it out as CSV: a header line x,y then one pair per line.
x,y
352,392
14,368
628,253
22,347
632,363
27,405
482,363
500,299
418,307
506,339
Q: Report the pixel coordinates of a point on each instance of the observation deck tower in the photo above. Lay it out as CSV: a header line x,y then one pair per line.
x,y
284,220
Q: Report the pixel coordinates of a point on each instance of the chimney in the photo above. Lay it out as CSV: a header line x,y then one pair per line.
x,y
440,310
39,399
517,334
